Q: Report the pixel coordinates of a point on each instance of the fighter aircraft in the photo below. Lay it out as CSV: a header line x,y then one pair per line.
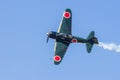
x,y
63,37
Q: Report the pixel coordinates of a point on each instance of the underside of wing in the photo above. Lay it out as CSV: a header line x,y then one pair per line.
x,y
66,22
59,49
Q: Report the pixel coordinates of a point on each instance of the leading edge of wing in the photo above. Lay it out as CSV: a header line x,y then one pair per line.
x,y
60,50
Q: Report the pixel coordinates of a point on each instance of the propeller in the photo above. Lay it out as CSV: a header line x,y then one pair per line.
x,y
47,37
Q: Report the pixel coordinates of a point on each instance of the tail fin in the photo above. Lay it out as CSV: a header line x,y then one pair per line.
x,y
91,40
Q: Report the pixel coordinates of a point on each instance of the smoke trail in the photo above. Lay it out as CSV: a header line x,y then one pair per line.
x,y
110,46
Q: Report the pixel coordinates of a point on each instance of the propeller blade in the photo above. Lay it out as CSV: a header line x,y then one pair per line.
x,y
47,39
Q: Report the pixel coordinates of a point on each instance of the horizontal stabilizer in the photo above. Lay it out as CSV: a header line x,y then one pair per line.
x,y
89,47
91,35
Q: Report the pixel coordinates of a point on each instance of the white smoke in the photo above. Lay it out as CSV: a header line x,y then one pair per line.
x,y
110,46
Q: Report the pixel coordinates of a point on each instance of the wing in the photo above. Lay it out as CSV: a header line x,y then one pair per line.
x,y
59,49
66,23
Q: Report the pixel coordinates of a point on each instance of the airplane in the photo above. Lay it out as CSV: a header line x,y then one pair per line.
x,y
63,37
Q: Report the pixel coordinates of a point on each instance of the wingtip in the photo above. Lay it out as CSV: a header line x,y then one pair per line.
x,y
89,51
68,9
56,63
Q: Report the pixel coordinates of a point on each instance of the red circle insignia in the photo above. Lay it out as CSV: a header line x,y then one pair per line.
x,y
57,58
74,40
67,15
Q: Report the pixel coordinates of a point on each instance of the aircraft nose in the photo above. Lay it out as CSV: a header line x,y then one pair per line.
x,y
48,34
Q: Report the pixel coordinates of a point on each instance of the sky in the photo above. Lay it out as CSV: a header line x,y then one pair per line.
x,y
25,55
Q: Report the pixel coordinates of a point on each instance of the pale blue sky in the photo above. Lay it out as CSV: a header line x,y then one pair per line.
x,y
24,54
